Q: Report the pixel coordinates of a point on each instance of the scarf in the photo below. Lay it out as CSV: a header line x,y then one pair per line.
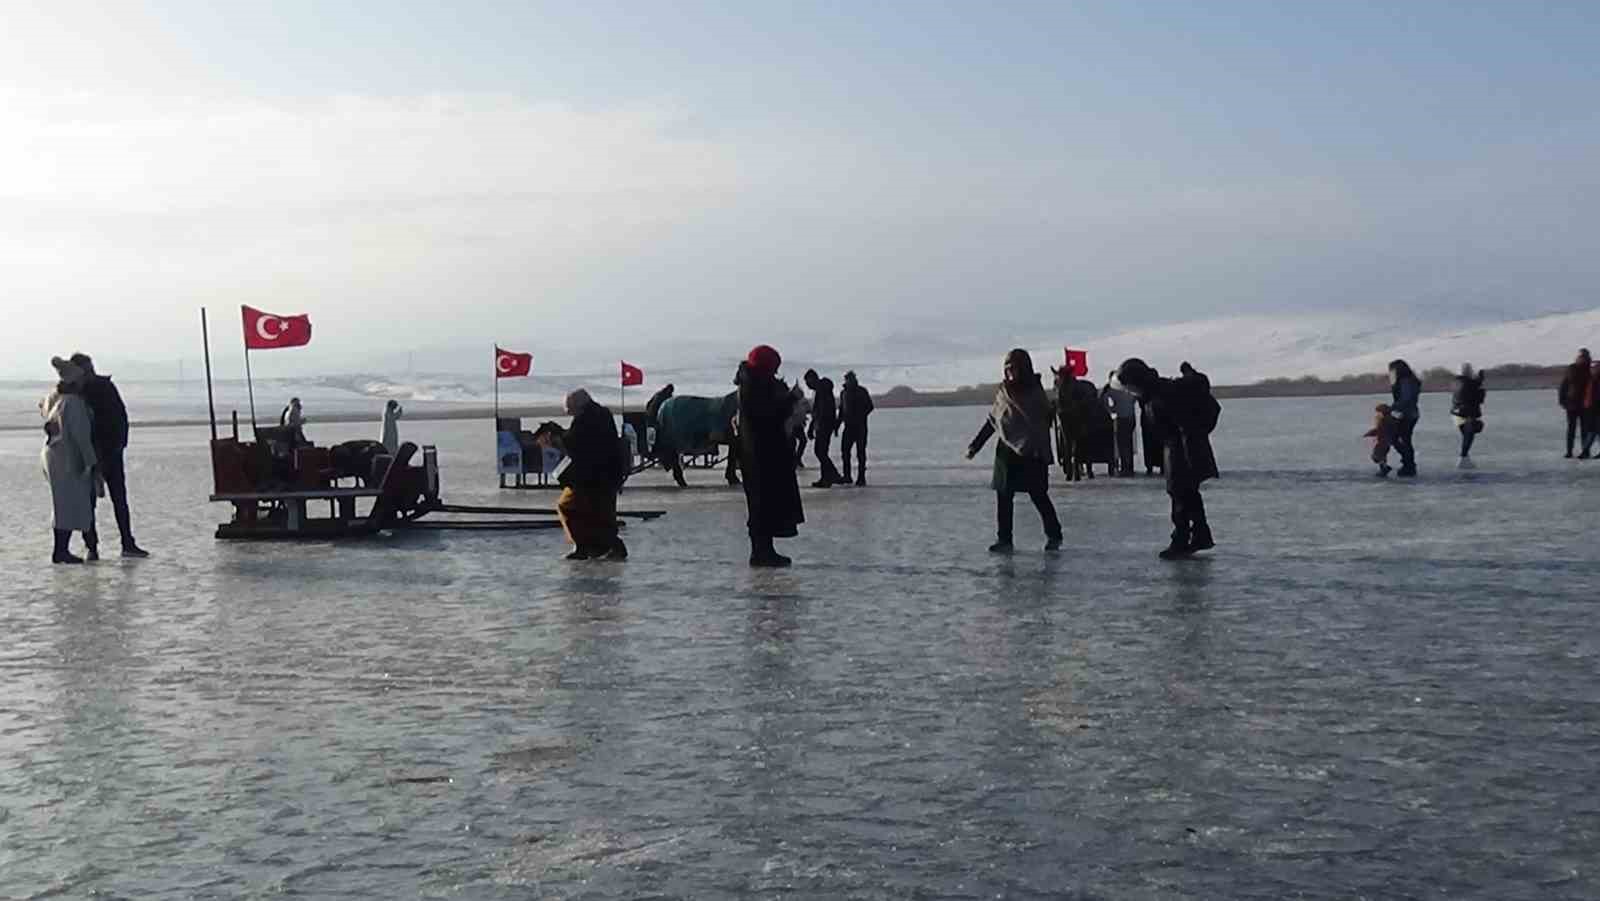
x,y
1022,418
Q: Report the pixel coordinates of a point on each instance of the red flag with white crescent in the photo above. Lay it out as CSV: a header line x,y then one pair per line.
x,y
1078,362
269,331
510,364
631,375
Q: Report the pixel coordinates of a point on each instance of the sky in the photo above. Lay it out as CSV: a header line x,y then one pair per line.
x,y
645,179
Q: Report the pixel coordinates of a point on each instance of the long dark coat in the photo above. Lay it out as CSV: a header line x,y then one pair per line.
x,y
595,450
1179,410
771,490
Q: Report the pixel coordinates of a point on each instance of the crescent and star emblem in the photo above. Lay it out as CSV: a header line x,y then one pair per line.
x,y
503,363
271,333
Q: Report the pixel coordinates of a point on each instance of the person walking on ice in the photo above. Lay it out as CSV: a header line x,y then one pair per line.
x,y
1185,414
1021,415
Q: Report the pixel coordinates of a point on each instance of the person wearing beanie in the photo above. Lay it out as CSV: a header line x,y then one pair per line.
x,y
1022,417
1184,414
69,461
771,490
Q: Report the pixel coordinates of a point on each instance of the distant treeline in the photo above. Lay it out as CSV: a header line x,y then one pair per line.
x,y
1511,377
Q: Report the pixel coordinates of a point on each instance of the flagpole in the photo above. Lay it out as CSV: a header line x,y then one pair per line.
x,y
496,367
250,385
211,403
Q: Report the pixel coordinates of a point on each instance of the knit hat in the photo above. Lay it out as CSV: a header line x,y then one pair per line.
x,y
763,359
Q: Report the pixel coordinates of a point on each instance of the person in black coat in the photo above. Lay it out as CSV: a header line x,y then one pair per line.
x,y
1466,406
110,442
1184,413
591,480
824,424
855,405
1572,396
771,491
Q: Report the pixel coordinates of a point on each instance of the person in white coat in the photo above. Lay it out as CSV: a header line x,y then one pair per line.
x,y
69,460
391,427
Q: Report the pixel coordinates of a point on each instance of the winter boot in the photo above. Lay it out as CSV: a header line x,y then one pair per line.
x,y
1201,540
764,556
60,554
1177,550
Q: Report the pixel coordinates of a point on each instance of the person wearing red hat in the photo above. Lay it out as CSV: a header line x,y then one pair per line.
x,y
771,490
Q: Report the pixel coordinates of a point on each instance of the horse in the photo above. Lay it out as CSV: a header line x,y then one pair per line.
x,y
696,425
1084,432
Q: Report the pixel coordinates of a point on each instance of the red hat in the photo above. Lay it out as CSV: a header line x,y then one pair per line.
x,y
764,359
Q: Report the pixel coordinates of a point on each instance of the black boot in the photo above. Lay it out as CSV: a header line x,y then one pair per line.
x,y
764,556
617,553
1201,540
60,554
91,543
1177,550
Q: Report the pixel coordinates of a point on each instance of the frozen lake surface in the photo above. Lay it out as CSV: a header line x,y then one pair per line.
x,y
1371,689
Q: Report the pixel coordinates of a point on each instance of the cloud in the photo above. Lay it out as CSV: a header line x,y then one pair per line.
x,y
352,205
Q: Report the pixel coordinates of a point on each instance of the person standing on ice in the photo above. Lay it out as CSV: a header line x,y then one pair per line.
x,y
110,417
855,405
1466,407
391,427
796,424
1572,397
771,489
1185,414
69,461
1406,389
1022,416
1122,407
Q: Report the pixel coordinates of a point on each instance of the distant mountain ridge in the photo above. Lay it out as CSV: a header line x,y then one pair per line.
x,y
928,356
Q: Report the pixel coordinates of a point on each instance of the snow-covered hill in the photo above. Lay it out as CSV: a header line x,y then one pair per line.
x,y
1249,348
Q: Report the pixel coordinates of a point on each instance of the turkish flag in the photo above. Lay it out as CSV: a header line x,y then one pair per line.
x,y
631,375
1078,362
268,331
510,364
